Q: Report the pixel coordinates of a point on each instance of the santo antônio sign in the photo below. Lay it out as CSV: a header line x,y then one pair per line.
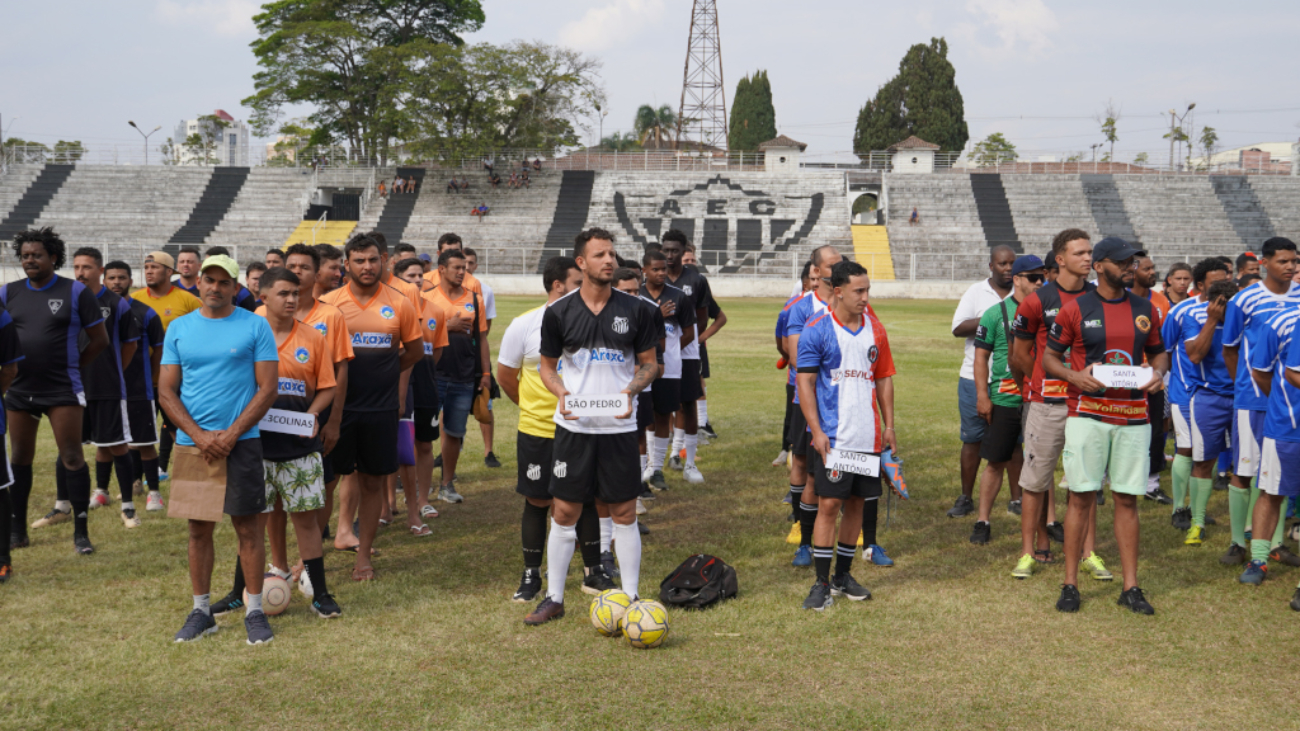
x,y
729,223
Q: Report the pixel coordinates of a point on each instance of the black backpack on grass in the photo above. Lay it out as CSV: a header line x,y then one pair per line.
x,y
700,581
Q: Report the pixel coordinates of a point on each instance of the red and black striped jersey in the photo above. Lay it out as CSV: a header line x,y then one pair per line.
x,y
1033,321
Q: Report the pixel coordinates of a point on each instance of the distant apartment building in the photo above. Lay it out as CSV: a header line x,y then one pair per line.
x,y
226,145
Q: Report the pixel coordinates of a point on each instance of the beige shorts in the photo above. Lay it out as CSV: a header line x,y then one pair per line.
x,y
1044,432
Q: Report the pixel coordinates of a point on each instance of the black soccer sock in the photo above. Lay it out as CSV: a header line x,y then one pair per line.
x,y
151,474
165,448
822,562
137,464
103,474
807,519
6,522
796,493
60,481
870,510
19,492
534,535
589,535
315,568
79,495
238,589
125,476
844,557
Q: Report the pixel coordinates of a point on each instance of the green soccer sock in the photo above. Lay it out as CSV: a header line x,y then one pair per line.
x,y
1254,498
1280,530
1180,473
1201,489
1259,550
1238,504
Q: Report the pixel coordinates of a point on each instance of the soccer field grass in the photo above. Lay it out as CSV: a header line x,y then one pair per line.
x,y
950,640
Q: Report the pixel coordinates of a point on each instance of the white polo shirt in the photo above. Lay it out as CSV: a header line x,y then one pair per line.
x,y
977,299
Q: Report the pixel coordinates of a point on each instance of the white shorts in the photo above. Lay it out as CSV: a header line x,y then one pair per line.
x,y
1279,468
1246,443
1182,430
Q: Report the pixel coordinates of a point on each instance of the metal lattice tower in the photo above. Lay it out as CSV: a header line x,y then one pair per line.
x,y
702,114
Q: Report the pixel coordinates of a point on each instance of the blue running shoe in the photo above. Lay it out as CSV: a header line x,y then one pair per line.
x,y
802,556
878,556
1255,573
197,624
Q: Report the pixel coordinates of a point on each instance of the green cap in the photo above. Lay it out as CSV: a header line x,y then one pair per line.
x,y
222,261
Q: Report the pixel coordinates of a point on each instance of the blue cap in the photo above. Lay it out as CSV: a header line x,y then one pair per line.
x,y
1026,263
426,257
1115,249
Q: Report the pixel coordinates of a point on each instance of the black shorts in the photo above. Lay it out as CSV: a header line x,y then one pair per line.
x,y
245,479
595,466
327,469
645,415
40,405
6,470
691,388
799,437
704,361
426,424
789,416
840,485
367,442
166,420
143,421
105,423
533,453
1003,435
667,395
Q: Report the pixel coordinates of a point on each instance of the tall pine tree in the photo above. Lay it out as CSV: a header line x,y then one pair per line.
x,y
753,119
922,100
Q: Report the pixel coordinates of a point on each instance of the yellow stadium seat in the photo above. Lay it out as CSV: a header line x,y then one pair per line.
x,y
871,250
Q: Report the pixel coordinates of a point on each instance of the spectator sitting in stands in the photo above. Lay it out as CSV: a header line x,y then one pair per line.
x,y
514,179
410,185
524,180
464,184
487,165
453,186
494,179
397,184
537,164
481,211
383,190
915,219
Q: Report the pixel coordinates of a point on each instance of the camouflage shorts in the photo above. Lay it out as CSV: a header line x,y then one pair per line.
x,y
299,483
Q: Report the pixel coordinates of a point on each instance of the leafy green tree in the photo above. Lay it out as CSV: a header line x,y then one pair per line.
x,y
621,142
654,125
1209,141
1141,158
1109,123
753,118
996,149
345,58
922,100
68,152
21,151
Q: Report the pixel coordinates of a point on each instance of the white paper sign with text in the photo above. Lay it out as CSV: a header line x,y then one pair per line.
x,y
610,404
296,423
1114,376
859,463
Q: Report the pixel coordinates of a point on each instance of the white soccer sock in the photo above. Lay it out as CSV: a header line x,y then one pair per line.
x,y
63,506
645,460
679,438
254,604
559,552
702,408
128,506
628,540
203,603
606,533
660,453
692,442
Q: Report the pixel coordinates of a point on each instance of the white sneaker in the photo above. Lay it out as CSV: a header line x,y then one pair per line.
x,y
780,459
675,462
273,569
1064,483
647,473
1153,483
692,474
640,507
154,502
99,499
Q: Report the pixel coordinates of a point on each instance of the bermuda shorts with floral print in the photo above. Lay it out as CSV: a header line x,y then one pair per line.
x,y
300,483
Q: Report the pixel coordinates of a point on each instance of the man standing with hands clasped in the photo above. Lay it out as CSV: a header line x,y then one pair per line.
x,y
1107,331
219,377
607,341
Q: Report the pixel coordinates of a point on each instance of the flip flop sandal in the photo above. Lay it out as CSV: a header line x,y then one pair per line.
x,y
428,511
353,549
421,530
1043,557
384,523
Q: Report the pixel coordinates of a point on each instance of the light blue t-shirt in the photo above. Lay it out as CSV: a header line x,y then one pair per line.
x,y
218,365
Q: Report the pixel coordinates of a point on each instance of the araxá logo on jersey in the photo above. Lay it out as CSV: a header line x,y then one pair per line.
x,y
560,470
386,312
322,328
301,355
55,306
534,472
620,325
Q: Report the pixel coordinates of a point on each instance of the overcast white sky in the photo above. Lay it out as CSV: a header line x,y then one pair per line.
x,y
1035,70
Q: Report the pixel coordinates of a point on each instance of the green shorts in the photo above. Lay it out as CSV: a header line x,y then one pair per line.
x,y
1094,449
300,483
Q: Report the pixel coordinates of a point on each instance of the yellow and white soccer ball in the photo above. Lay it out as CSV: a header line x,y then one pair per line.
x,y
645,624
607,610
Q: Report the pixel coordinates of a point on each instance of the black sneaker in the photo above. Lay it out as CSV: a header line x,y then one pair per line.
x,y
1181,518
1159,496
1056,532
19,540
607,563
1101,497
982,533
491,460
81,545
325,607
1295,600
642,528
1013,507
963,506
1209,520
529,586
657,480
227,604
1220,483
1134,600
6,571
597,581
819,597
1282,554
1070,599
258,628
545,612
437,462
647,493
198,624
708,429
847,586
1234,556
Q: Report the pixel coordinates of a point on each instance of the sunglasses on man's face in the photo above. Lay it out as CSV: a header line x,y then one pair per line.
x,y
1034,277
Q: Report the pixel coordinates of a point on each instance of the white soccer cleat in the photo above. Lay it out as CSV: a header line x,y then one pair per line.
x,y
647,473
692,474
99,499
780,459
640,507
154,502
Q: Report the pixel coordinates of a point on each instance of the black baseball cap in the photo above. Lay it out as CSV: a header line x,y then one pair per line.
x,y
1115,249
1049,261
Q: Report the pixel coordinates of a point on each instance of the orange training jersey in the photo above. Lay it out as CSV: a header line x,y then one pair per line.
x,y
458,363
471,282
306,366
410,291
328,321
376,330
